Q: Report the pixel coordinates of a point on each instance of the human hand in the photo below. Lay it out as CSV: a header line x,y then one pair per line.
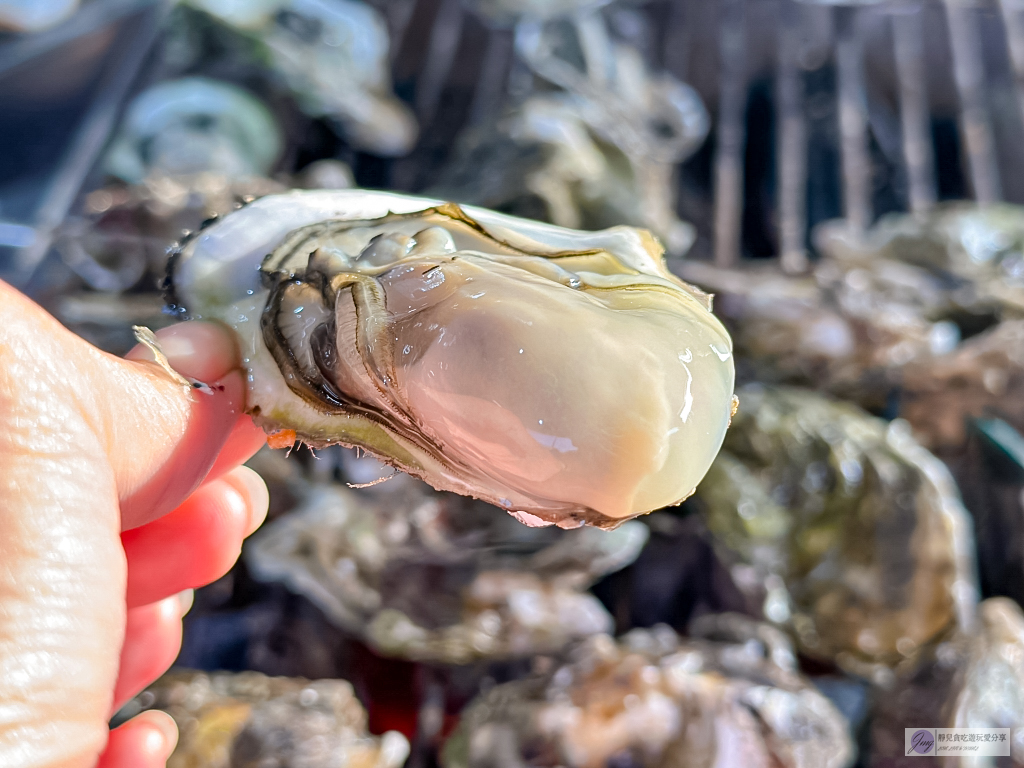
x,y
119,490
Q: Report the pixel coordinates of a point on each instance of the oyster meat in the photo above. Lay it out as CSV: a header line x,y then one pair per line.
x,y
655,699
564,376
437,577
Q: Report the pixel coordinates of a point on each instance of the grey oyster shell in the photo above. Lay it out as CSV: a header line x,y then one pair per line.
x,y
853,534
564,376
195,125
973,680
902,294
230,720
333,56
975,254
847,329
600,149
437,577
654,699
984,376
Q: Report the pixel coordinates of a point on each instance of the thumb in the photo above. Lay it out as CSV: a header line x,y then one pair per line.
x,y
160,438
165,436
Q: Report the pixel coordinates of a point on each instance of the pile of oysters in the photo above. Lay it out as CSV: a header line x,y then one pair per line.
x,y
538,499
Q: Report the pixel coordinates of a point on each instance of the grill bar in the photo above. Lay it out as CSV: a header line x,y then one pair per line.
x,y
825,136
731,133
975,124
792,142
853,120
1012,14
908,45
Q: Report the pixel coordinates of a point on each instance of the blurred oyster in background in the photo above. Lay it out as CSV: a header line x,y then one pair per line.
x,y
506,11
106,319
973,680
903,293
333,56
34,15
325,174
245,719
989,469
983,377
655,699
598,151
195,125
974,254
436,577
487,355
186,150
853,533
847,330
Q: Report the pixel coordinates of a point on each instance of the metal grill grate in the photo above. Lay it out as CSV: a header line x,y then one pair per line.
x,y
819,110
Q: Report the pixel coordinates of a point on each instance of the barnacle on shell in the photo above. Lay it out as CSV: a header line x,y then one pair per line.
x,y
565,376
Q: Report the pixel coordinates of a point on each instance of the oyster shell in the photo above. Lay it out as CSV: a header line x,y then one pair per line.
x,y
436,577
900,295
853,533
195,125
230,719
564,376
600,150
655,699
984,376
848,329
34,15
975,680
333,56
974,252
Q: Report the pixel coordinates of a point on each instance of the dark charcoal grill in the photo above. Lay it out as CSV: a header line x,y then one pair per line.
x,y
819,110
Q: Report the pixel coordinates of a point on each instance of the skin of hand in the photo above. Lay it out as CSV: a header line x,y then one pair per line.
x,y
120,491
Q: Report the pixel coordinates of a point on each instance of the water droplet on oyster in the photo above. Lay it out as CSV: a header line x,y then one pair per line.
x,y
353,279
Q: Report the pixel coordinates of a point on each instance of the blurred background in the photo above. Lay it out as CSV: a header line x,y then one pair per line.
x,y
844,177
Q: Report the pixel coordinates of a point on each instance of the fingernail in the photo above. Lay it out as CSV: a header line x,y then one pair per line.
x,y
252,486
164,728
198,349
185,599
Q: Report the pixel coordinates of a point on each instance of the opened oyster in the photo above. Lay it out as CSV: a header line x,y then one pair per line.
x,y
564,376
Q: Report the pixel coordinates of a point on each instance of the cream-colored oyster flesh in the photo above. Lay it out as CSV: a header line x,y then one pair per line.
x,y
565,376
